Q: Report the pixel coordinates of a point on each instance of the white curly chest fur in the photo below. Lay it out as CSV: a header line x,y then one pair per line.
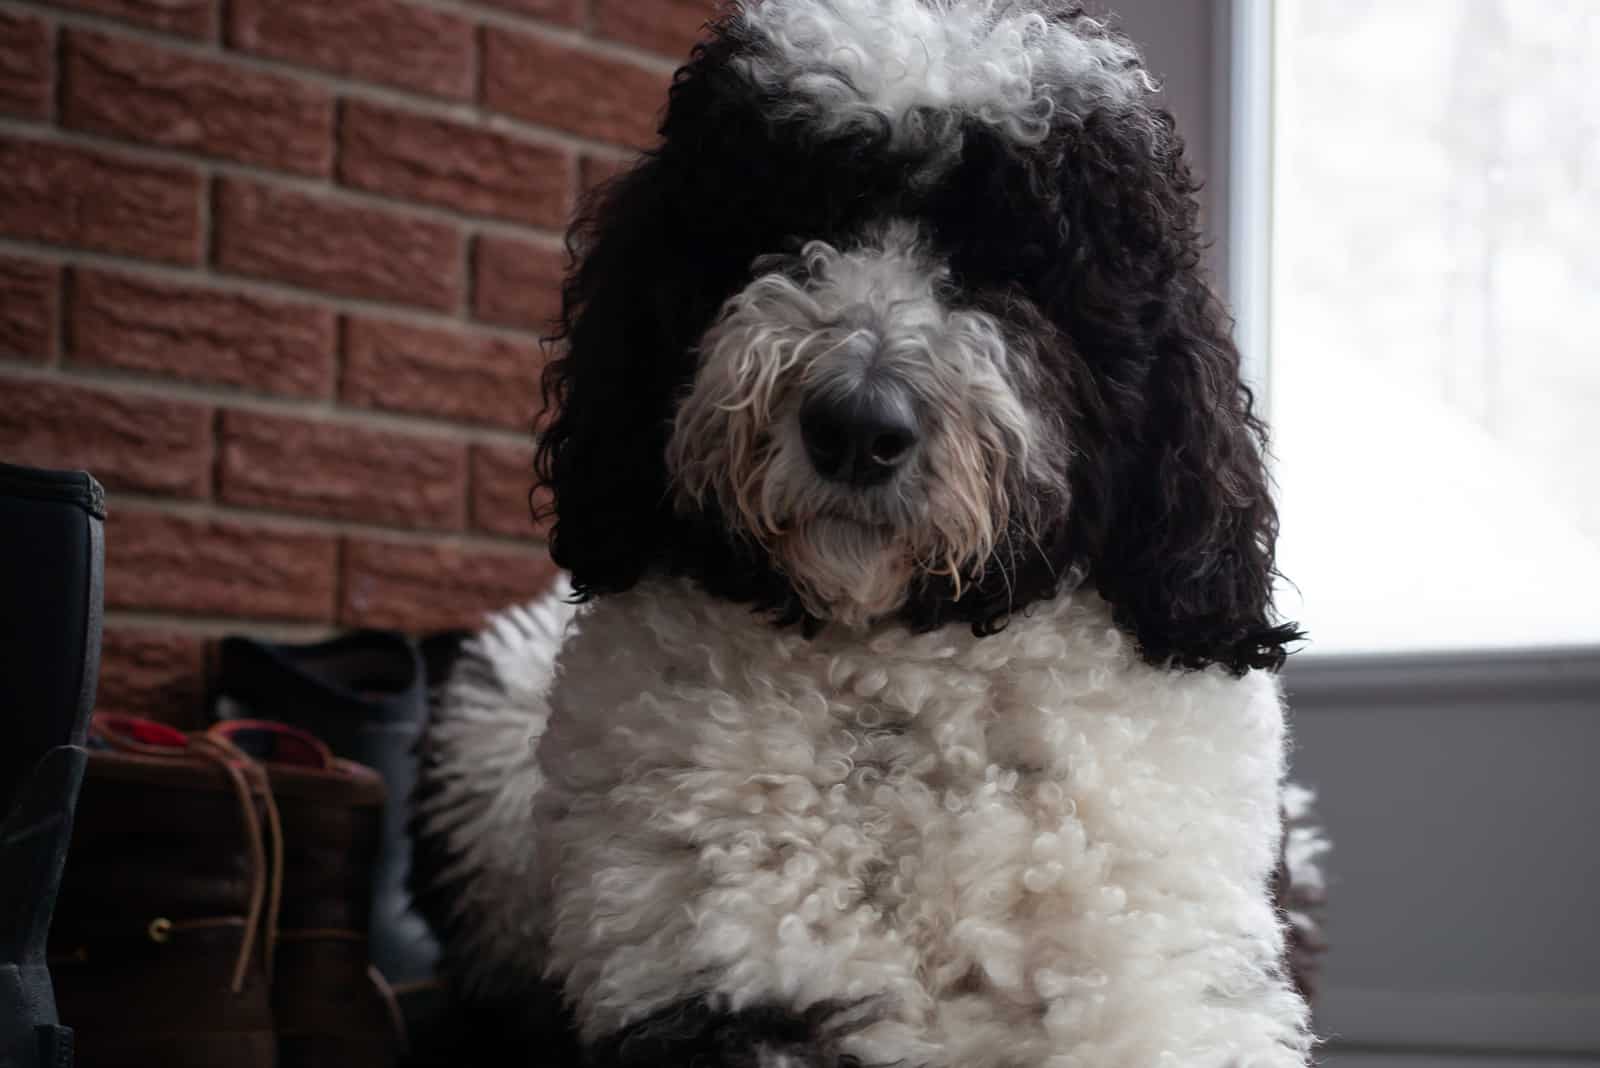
x,y
1026,849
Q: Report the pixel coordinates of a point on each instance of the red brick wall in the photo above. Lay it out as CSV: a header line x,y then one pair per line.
x,y
274,271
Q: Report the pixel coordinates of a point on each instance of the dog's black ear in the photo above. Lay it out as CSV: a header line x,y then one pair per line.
x,y
1171,505
645,280
613,366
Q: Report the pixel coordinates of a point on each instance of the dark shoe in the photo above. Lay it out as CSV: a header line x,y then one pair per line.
x,y
364,694
162,933
440,650
33,848
51,588
330,1005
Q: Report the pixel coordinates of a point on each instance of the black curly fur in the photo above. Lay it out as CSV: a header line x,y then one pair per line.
x,y
694,1032
1089,241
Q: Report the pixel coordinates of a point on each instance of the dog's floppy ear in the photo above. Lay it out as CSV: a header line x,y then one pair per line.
x,y
605,387
645,281
1171,504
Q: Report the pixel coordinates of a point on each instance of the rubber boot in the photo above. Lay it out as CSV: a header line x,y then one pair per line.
x,y
163,931
366,695
52,568
331,1007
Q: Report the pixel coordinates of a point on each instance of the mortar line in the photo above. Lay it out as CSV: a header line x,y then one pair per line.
x,y
316,409
220,281
209,626
294,523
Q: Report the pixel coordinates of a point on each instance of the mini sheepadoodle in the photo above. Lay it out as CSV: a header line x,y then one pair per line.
x,y
913,699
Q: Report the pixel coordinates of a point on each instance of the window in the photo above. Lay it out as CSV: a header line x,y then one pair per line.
x,y
1434,375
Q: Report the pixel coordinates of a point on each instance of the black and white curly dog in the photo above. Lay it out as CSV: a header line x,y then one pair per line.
x,y
918,705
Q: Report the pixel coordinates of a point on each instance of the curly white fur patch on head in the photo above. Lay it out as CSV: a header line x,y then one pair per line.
x,y
833,320
924,65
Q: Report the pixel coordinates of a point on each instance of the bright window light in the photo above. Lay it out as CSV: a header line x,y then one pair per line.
x,y
1435,297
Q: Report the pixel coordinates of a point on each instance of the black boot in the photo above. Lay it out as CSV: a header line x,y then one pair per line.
x,y
52,570
366,695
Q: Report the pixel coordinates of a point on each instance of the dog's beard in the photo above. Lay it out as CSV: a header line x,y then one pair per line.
x,y
854,554
850,572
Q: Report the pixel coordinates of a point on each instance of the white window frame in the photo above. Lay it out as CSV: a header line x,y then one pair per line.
x,y
1244,109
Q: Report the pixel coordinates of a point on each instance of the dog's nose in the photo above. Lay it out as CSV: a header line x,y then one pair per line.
x,y
860,437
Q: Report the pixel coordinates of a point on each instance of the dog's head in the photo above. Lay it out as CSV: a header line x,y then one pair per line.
x,y
904,320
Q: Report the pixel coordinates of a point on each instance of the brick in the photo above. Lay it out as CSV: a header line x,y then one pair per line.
x,y
199,334
190,18
99,200
516,283
667,27
581,92
341,472
130,89
193,565
331,245
153,673
452,374
595,171
26,69
434,587
29,299
384,41
128,441
438,161
502,476
562,12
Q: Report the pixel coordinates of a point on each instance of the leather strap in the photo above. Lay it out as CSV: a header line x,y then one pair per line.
x,y
391,1004
266,887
